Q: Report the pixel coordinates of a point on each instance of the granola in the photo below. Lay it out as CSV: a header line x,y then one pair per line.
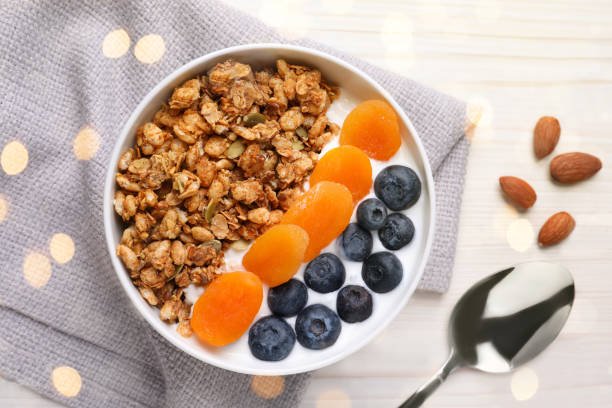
x,y
216,167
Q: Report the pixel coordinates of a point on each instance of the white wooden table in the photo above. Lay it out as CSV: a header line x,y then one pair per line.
x,y
519,59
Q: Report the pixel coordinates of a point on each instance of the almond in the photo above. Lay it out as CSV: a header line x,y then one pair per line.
x,y
556,229
518,191
574,167
546,136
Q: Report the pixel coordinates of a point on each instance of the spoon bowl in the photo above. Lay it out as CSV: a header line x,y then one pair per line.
x,y
505,320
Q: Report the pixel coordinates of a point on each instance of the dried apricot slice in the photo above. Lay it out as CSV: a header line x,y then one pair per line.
x,y
347,165
324,211
373,127
277,254
227,308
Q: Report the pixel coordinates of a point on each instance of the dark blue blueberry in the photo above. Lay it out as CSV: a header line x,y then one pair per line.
x,y
325,273
356,242
288,299
382,272
354,304
317,327
397,232
271,338
371,213
398,187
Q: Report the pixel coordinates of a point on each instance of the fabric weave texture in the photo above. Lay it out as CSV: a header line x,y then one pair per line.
x,y
55,80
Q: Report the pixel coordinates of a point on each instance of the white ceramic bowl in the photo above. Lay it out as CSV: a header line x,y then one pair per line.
x,y
355,86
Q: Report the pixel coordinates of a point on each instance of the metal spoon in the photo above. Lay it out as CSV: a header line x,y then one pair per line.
x,y
504,321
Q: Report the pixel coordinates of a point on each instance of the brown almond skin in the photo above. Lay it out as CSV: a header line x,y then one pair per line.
x,y
574,167
518,191
556,229
546,136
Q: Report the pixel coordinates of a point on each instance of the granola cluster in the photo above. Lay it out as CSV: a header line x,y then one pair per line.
x,y
217,166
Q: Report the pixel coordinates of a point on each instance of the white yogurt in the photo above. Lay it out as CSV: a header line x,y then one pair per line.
x,y
383,304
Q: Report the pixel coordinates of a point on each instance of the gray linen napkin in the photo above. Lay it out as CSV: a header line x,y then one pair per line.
x,y
55,81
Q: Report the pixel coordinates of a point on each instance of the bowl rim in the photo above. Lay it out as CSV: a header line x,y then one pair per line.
x,y
109,215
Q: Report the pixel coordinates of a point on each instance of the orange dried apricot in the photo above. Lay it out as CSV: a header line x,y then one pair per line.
x,y
347,165
227,308
277,254
324,211
373,127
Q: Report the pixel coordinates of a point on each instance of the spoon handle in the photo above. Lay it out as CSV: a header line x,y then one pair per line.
x,y
417,399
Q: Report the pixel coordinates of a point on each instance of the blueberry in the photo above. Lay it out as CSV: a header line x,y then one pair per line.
x,y
288,299
371,214
382,272
397,232
325,273
356,242
354,304
398,187
317,327
271,338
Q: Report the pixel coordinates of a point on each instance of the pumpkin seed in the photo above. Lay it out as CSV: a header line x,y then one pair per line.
x,y
297,145
235,150
302,133
211,208
240,245
253,119
215,243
